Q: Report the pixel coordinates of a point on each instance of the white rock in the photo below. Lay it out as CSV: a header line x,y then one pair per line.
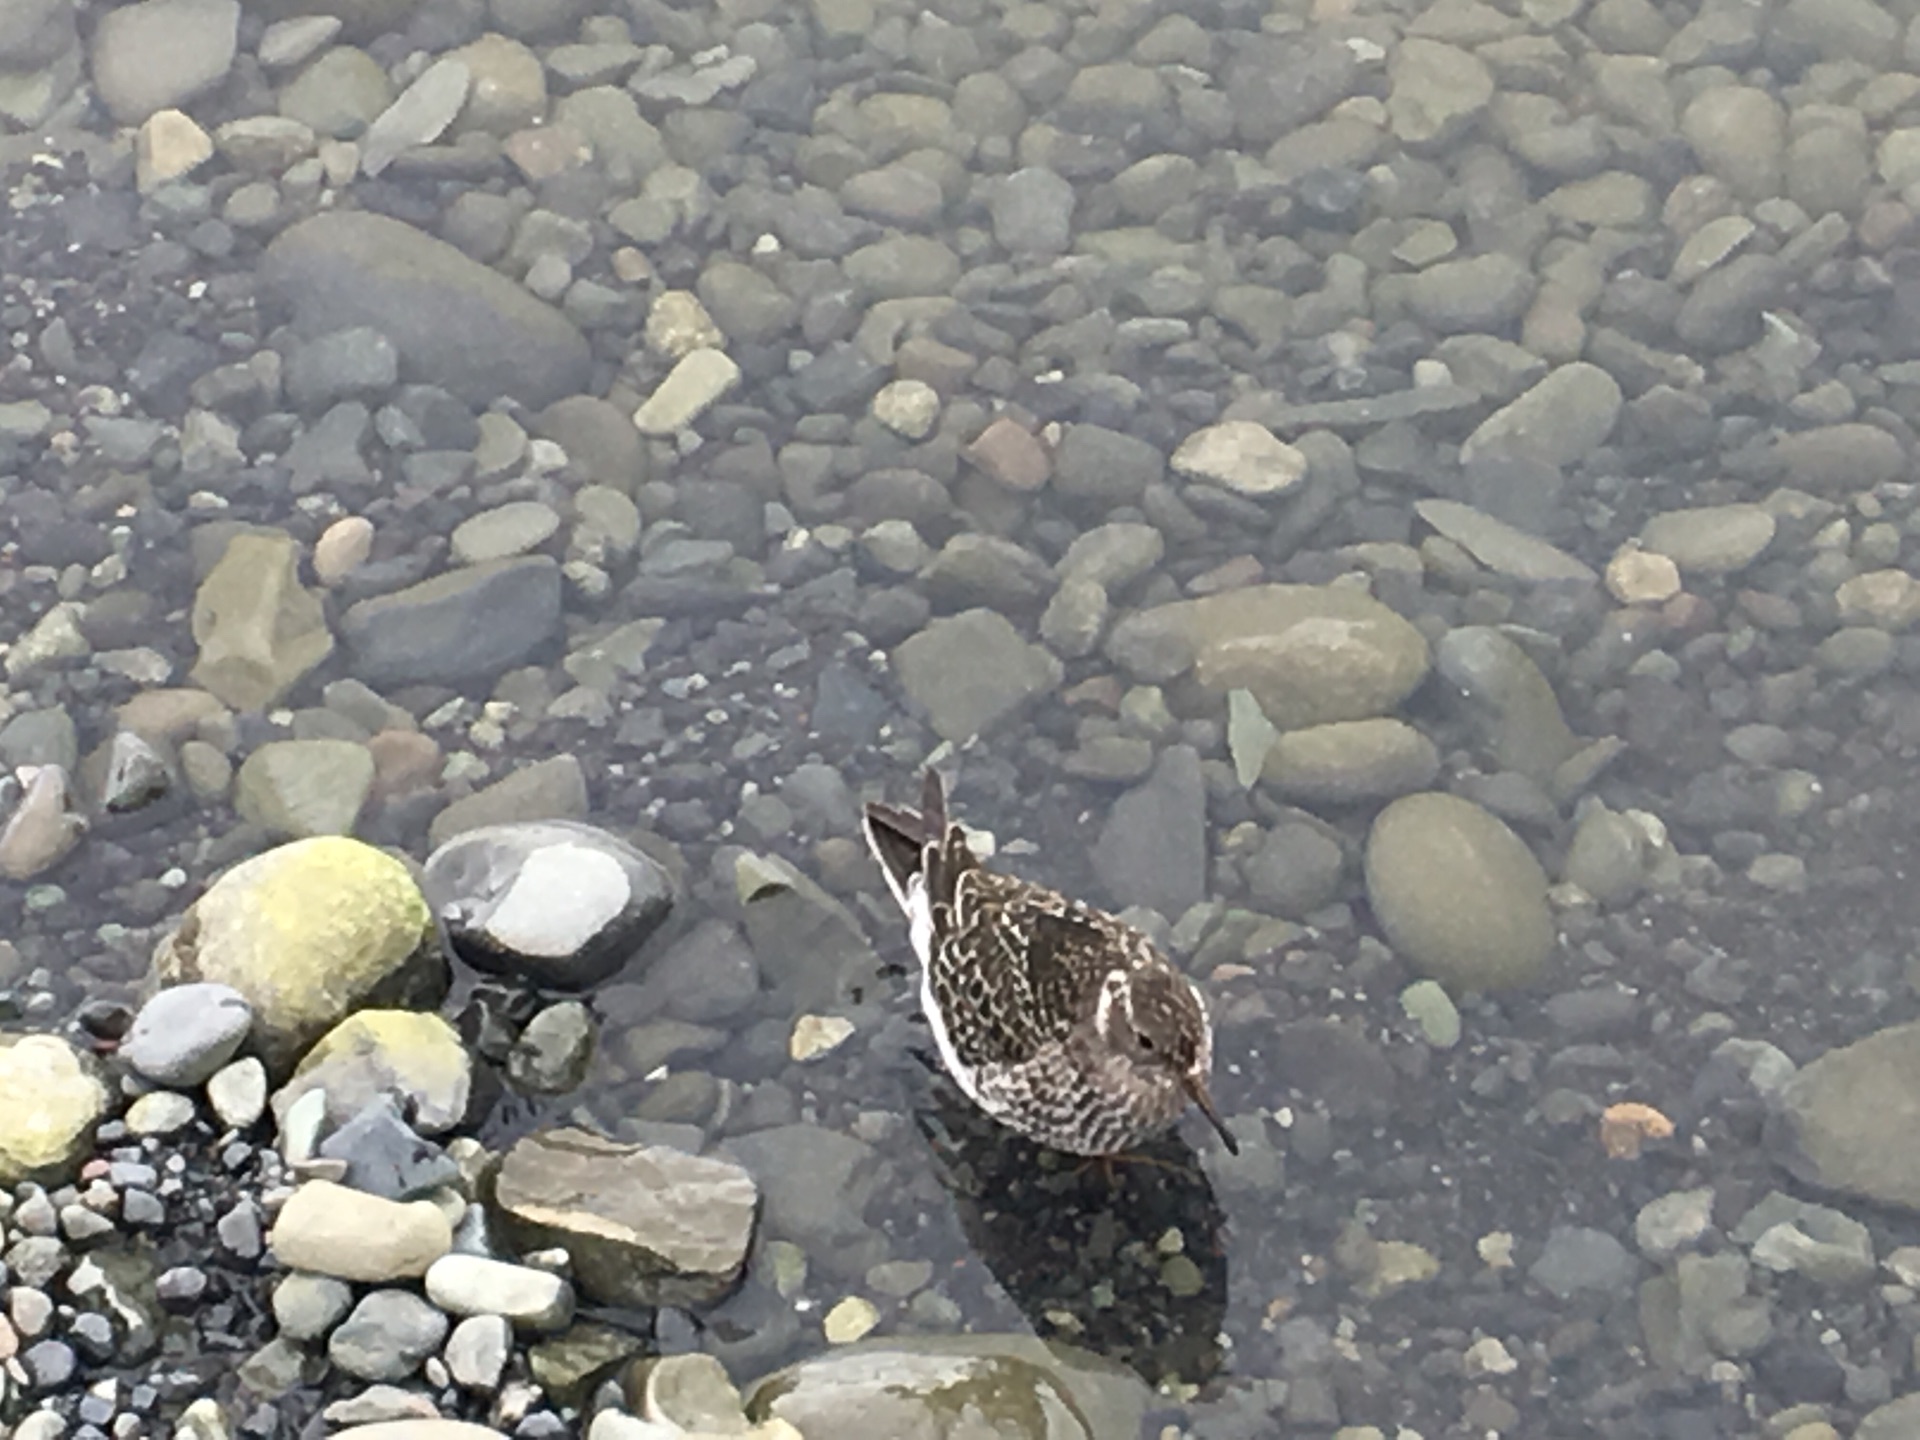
x,y
330,1230
160,1113
238,1093
816,1035
691,388
1245,457
476,1285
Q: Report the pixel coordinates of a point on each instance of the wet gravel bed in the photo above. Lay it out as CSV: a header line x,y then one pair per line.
x,y
1416,505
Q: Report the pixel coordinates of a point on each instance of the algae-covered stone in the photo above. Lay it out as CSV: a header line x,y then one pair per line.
x,y
1009,1387
1847,1121
51,1101
259,630
1459,895
309,932
1351,761
1309,654
376,1052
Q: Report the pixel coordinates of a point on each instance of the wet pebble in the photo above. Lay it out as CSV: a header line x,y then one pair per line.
x,y
387,1335
187,1032
494,890
1458,893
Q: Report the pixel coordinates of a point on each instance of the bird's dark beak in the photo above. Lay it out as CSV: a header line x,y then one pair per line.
x,y
1203,1097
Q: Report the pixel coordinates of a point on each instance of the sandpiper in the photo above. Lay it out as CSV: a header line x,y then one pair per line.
x,y
1059,1020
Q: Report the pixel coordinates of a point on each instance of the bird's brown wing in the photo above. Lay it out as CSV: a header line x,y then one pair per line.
x,y
1020,966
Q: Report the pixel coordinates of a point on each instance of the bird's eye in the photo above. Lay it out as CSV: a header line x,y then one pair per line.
x,y
1146,1041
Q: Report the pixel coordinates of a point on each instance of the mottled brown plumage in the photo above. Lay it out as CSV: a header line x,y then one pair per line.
x,y
1059,1020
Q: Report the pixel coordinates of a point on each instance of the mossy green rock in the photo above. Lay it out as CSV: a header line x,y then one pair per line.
x,y
377,1052
309,933
50,1100
1460,896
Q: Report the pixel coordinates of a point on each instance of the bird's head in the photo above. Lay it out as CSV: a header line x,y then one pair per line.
x,y
1154,1017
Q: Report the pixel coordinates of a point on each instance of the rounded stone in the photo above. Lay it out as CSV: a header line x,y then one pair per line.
x,y
1430,1007
907,407
342,548
1710,539
307,1306
160,53
1243,456
1350,761
238,1093
1310,655
1459,895
504,531
1740,134
328,1229
1642,577
162,1112
186,1032
308,932
455,322
1840,459
387,1336
55,1100
558,902
476,1285
1557,422
339,94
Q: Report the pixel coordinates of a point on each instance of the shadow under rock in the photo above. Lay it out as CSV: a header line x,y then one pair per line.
x,y
1088,1254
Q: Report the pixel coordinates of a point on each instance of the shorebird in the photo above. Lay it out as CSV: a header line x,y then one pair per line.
x,y
1059,1020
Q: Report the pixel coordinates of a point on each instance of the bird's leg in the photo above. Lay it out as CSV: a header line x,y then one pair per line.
x,y
1109,1166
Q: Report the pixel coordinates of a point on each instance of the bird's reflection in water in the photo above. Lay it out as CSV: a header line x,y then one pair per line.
x,y
1125,1261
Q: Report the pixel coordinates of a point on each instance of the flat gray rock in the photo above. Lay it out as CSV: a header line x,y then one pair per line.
x,y
463,625
969,671
645,1225
456,323
418,117
1153,849
1846,1121
1499,546
385,1156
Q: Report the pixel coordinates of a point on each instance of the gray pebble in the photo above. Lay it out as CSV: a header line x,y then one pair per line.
x,y
185,1033
50,1364
385,1156
477,1351
181,1284
1579,1258
239,1230
387,1336
308,1306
